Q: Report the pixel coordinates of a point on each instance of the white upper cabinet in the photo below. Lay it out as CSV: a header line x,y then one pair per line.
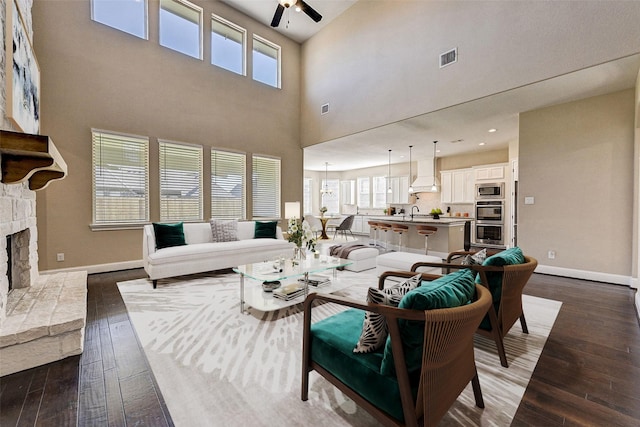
x,y
457,186
485,173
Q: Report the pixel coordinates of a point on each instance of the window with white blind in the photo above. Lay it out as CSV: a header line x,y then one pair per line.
x,y
364,196
228,45
307,196
266,62
266,187
228,184
120,178
129,16
380,188
180,181
181,27
331,198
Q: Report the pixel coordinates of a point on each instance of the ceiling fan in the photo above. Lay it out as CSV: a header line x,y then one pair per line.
x,y
300,5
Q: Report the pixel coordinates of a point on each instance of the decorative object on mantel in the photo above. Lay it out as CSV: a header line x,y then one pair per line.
x,y
22,73
30,157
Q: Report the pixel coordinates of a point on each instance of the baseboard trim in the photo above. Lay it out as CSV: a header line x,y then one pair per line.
x,y
596,276
99,268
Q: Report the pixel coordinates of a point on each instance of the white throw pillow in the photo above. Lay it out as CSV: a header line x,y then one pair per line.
x,y
374,328
224,230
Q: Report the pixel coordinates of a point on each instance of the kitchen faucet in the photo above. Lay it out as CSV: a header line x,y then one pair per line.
x,y
414,206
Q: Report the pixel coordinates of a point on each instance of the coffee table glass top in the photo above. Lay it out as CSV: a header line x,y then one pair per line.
x,y
270,271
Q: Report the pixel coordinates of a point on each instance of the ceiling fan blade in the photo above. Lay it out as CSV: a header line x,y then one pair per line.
x,y
277,16
309,11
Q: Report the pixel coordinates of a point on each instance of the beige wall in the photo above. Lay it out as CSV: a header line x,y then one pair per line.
x,y
378,62
576,159
473,159
96,77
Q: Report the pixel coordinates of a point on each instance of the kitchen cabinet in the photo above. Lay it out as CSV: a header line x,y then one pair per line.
x,y
484,173
360,225
457,186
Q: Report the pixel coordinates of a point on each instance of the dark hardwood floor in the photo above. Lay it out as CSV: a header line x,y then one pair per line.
x,y
588,373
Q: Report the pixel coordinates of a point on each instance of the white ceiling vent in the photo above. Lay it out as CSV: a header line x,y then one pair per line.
x,y
324,109
449,57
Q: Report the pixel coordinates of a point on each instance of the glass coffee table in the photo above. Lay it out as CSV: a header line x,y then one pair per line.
x,y
297,278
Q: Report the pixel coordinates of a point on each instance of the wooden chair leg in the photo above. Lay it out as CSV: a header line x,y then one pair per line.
x,y
523,324
503,356
477,391
155,283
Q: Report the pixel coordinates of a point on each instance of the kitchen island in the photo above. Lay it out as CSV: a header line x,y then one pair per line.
x,y
449,237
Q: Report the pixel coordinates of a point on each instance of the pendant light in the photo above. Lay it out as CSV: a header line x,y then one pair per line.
x,y
389,174
410,174
434,187
325,189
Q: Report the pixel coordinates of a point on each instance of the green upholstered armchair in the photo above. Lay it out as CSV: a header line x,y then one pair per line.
x,y
427,361
505,274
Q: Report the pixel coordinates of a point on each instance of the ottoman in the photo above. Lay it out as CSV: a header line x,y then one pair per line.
x,y
402,261
363,259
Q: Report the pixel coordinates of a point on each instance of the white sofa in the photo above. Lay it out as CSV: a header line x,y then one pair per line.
x,y
202,254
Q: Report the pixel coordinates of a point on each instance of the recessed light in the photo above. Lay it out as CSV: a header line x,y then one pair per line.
x,y
482,143
455,141
492,130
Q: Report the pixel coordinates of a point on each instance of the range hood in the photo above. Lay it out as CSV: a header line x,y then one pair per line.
x,y
426,178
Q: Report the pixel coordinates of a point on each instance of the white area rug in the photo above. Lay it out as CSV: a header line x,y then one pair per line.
x,y
216,366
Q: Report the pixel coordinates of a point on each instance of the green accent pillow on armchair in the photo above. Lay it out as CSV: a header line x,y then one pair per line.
x,y
168,235
452,290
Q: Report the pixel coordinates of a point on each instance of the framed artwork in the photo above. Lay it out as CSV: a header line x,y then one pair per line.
x,y
22,74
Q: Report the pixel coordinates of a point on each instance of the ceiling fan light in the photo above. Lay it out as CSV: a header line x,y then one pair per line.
x,y
288,3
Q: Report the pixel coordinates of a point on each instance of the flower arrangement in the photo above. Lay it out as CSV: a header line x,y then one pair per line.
x,y
323,210
301,233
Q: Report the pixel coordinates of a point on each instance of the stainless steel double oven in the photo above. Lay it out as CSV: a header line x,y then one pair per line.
x,y
490,215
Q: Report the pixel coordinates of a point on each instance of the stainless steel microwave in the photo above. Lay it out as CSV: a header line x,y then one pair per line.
x,y
490,191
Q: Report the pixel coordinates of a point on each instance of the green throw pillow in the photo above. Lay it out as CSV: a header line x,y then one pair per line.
x,y
511,256
452,290
168,235
265,230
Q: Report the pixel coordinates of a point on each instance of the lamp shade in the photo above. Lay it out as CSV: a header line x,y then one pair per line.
x,y
291,210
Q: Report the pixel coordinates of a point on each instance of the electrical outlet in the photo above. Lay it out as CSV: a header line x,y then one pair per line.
x,y
551,254
60,257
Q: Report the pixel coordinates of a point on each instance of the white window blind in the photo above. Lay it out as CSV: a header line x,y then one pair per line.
x,y
364,199
266,187
380,188
331,200
120,178
228,45
180,181
181,27
266,62
228,184
307,196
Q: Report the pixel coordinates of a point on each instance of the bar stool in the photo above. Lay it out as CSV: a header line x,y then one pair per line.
x,y
374,226
426,231
400,228
384,226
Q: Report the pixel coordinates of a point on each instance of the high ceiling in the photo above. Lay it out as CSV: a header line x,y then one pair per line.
x,y
458,129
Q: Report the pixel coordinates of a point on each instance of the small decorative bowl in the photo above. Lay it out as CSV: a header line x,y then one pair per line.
x,y
271,286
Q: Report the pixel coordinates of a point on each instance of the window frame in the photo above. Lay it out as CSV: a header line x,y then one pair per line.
x,y
214,197
163,144
119,223
195,8
361,200
144,36
278,58
231,26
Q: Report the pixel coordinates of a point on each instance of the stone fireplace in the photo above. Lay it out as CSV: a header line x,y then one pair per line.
x,y
18,223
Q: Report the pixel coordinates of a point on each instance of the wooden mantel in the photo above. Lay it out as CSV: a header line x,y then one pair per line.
x,y
29,157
